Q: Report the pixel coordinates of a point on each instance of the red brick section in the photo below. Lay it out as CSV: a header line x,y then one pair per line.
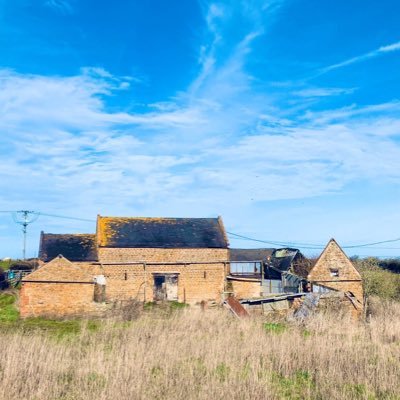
x,y
333,259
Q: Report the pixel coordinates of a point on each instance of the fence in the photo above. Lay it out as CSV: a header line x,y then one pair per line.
x,y
14,277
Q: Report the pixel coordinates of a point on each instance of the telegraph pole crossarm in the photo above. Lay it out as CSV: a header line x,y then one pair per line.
x,y
24,218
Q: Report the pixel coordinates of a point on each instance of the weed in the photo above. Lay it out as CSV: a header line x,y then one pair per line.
x,y
277,328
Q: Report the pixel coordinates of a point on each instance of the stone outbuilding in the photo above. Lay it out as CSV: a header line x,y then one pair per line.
x,y
59,287
334,270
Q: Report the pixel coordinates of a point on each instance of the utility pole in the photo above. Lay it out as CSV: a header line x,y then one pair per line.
x,y
24,218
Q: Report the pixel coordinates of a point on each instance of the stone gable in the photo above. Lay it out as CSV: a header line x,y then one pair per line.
x,y
333,259
59,270
334,270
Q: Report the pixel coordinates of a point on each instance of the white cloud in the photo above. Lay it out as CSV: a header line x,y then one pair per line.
x,y
217,148
374,53
322,92
60,6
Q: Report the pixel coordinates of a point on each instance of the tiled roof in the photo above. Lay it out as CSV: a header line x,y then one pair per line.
x,y
161,232
74,247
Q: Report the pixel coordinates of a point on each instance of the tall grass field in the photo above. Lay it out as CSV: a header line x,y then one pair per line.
x,y
190,354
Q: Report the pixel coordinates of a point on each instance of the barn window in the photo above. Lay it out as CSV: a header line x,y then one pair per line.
x,y
334,273
245,268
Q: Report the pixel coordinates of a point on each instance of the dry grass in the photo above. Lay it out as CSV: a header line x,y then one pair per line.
x,y
194,355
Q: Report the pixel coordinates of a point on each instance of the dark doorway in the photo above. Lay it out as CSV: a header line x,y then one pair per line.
x,y
160,293
165,287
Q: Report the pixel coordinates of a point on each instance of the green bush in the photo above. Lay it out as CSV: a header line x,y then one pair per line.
x,y
377,281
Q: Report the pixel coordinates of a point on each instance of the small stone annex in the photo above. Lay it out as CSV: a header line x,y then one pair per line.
x,y
334,271
147,259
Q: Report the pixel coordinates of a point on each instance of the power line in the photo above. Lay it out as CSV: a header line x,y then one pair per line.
x,y
26,217
316,246
309,246
285,244
65,217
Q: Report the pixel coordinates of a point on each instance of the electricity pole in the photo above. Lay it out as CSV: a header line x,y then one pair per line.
x,y
24,218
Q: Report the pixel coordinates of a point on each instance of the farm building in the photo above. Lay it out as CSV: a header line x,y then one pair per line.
x,y
174,259
246,269
259,272
147,259
334,271
333,282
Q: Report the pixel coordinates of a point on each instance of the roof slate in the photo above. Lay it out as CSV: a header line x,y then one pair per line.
x,y
250,254
161,232
74,247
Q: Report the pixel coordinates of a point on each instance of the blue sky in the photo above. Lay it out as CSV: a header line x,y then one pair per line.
x,y
283,116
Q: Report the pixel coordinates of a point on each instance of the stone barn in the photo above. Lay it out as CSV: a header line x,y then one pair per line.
x,y
334,270
150,259
146,259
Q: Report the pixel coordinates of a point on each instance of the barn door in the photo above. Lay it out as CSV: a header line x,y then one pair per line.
x,y
165,287
171,281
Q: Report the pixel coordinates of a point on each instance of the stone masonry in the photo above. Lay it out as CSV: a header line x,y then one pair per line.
x,y
333,269
59,288
201,272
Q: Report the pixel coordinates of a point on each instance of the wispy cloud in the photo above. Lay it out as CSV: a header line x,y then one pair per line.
x,y
61,6
221,146
322,92
374,53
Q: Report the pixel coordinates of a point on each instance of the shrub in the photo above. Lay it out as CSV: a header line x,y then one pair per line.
x,y
377,281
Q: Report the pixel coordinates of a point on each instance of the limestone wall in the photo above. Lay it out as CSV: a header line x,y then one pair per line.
x,y
38,299
245,288
195,282
334,270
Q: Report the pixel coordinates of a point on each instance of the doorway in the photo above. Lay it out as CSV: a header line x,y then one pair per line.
x,y
165,287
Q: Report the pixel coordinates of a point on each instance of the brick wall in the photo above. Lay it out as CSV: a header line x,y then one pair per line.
x,y
334,259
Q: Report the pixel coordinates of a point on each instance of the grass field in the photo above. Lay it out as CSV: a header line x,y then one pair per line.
x,y
189,354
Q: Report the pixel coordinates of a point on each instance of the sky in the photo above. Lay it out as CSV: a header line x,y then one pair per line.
x,y
282,116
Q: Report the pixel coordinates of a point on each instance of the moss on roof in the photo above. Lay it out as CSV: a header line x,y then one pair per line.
x,y
161,232
74,247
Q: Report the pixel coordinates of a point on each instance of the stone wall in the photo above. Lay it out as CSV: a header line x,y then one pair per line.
x,y
334,261
51,299
58,288
61,288
195,282
115,255
245,288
